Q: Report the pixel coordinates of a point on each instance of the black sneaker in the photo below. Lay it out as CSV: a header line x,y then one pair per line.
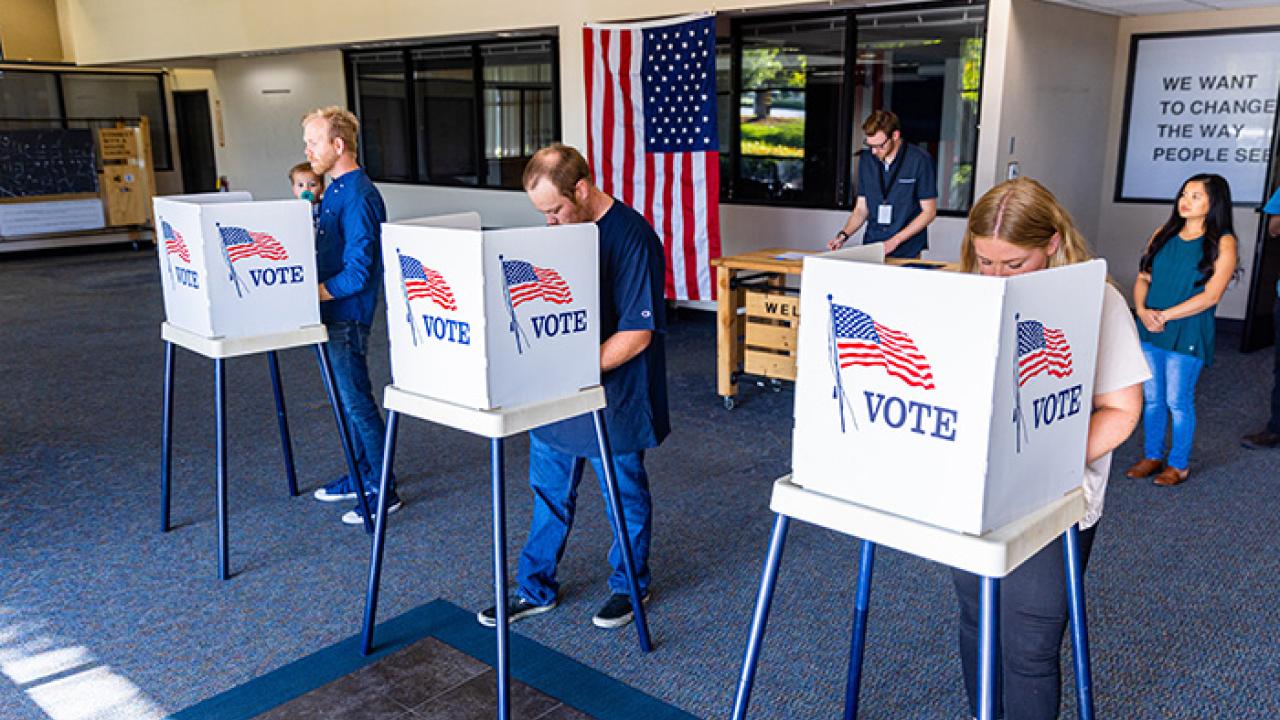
x,y
517,609
616,611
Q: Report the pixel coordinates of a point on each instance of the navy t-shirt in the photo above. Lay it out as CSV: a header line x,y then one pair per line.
x,y
910,179
632,269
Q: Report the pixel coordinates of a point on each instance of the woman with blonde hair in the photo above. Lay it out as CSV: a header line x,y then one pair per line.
x,y
1019,227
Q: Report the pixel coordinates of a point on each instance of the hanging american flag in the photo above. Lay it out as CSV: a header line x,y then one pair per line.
x,y
241,243
526,281
1041,350
173,242
652,140
863,341
423,282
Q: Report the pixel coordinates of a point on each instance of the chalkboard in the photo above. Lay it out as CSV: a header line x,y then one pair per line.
x,y
47,162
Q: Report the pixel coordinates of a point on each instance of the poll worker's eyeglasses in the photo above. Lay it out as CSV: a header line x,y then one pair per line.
x,y
876,146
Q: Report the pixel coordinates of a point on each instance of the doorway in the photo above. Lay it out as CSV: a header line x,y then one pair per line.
x,y
195,141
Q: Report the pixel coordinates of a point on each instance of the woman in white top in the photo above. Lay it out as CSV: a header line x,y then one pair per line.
x,y
1019,227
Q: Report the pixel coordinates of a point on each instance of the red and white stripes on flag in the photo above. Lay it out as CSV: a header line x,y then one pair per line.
x,y
652,136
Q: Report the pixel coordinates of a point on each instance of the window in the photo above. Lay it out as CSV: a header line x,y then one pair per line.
x,y
95,100
479,110
28,96
519,108
382,97
926,66
795,89
70,99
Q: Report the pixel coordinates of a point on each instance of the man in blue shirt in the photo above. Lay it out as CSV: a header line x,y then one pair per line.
x,y
1269,437
349,264
897,191
633,372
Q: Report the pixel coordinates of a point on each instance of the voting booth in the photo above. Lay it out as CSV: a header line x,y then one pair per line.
x,y
232,267
491,318
953,399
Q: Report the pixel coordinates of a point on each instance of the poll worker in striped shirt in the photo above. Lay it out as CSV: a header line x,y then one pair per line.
x,y
1019,227
349,265
633,372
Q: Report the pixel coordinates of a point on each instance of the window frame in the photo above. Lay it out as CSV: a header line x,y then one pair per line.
x,y
474,47
63,120
844,198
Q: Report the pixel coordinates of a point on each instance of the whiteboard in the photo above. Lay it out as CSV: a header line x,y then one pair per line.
x,y
53,216
1199,103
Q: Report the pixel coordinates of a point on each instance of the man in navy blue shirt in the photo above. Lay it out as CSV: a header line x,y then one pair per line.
x,y
349,264
633,372
897,191
1269,437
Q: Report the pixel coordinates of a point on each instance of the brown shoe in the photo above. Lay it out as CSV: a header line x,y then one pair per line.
x,y
1171,476
1144,468
1265,440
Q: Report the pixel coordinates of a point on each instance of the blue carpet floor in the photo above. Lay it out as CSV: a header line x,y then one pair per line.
x,y
104,617
551,672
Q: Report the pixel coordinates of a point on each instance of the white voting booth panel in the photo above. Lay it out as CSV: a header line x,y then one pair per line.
x,y
231,267
491,318
956,400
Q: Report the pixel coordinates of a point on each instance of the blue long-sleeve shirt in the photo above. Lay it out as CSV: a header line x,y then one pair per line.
x,y
349,247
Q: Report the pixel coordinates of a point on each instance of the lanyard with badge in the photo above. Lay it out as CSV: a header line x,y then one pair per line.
x,y
884,215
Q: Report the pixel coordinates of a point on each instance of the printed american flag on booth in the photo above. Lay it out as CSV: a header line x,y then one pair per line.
x,y
1041,350
652,140
241,243
526,281
860,340
421,281
173,242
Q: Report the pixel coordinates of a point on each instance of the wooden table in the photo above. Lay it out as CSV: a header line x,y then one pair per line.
x,y
766,272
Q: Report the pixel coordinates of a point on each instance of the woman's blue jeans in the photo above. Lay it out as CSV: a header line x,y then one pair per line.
x,y
1169,393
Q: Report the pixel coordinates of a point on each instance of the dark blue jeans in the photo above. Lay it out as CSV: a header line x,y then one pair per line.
x,y
1033,619
348,352
554,478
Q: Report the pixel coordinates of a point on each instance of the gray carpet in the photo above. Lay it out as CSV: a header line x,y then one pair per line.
x,y
102,616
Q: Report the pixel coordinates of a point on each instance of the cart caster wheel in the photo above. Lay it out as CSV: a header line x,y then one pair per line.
x,y
730,402
775,385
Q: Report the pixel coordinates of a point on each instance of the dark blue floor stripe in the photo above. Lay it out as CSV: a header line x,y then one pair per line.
x,y
557,675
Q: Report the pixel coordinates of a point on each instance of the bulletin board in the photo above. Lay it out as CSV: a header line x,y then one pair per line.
x,y
1199,102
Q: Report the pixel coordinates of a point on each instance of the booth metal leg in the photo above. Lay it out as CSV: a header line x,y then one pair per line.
x,y
379,535
282,419
764,598
220,414
500,577
1079,631
988,648
166,437
865,563
620,531
331,387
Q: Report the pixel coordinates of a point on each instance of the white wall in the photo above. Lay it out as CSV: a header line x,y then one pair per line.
x,y
1057,76
263,134
1125,227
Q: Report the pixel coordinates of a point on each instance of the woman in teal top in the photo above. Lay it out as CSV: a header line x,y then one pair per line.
x,y
1182,275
